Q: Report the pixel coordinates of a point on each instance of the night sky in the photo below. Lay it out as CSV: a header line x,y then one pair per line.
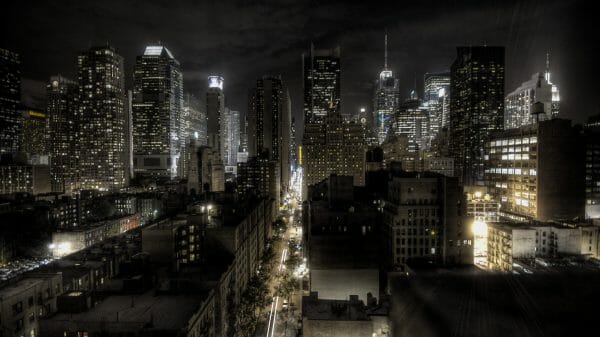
x,y
243,40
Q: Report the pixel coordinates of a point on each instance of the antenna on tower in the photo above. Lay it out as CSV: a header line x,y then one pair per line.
x,y
385,65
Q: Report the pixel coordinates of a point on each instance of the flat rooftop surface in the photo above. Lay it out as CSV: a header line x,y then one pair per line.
x,y
466,302
162,312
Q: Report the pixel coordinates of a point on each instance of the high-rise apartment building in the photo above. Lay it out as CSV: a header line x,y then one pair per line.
x,y
231,136
33,136
385,99
476,107
519,103
537,171
411,120
269,124
102,119
62,97
158,137
10,99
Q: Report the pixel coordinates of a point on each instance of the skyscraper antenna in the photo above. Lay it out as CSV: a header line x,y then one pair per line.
x,y
385,65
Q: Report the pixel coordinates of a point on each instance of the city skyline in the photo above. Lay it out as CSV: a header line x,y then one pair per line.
x,y
299,169
420,41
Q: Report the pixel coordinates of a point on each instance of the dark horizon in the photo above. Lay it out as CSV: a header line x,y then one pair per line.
x,y
236,40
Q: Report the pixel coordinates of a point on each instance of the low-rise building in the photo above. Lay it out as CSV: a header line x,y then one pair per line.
x,y
25,302
343,318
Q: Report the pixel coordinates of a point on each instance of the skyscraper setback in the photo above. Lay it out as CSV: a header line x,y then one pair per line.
x,y
157,106
269,124
10,99
476,107
102,119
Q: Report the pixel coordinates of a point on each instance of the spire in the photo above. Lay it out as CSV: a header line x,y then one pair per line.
x,y
385,65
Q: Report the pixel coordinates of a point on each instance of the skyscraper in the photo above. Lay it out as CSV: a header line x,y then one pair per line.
x,y
232,122
157,113
539,88
385,99
102,119
437,91
10,99
215,108
269,124
476,107
62,97
321,71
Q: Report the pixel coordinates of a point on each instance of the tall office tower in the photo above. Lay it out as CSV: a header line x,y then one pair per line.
x,y
10,99
193,118
233,137
412,120
321,71
518,103
157,110
62,106
33,136
592,167
259,176
385,99
293,146
437,92
269,124
215,107
102,119
129,167
476,107
537,171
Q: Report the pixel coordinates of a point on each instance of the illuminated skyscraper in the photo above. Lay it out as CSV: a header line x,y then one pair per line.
x,y
10,99
215,108
476,107
102,119
231,136
437,100
539,88
321,71
158,137
62,97
385,99
269,124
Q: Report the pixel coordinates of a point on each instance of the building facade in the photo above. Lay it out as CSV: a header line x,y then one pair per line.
x,y
537,171
215,109
101,138
269,125
476,107
425,220
158,123
10,100
63,109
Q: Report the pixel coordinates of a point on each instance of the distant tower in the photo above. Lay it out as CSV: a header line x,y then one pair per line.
x,y
385,98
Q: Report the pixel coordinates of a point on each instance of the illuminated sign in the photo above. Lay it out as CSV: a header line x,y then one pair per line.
x,y
215,82
32,113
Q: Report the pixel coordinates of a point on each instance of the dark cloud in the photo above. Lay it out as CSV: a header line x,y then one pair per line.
x,y
243,40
